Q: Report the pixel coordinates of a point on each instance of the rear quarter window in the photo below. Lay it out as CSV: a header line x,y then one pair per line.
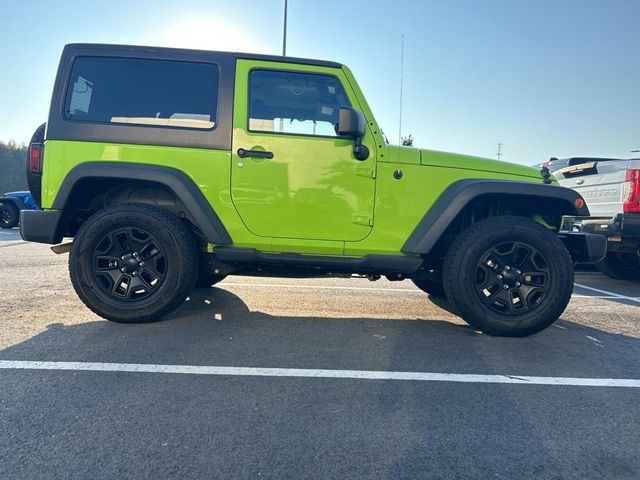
x,y
156,93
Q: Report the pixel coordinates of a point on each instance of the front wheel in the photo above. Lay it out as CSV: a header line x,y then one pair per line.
x,y
508,276
133,263
9,215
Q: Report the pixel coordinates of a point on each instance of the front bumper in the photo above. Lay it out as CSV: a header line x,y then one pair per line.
x,y
42,226
585,247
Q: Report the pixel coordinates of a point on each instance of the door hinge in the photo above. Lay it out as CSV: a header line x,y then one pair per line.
x,y
365,172
362,219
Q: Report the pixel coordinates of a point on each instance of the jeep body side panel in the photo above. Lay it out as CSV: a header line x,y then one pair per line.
x,y
178,182
59,127
312,188
452,200
207,169
401,204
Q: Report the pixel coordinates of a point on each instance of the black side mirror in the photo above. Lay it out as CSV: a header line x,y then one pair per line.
x,y
352,124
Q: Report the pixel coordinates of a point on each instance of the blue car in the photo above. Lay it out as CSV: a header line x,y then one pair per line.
x,y
10,205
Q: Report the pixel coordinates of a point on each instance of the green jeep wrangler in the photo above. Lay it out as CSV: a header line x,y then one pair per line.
x,y
175,168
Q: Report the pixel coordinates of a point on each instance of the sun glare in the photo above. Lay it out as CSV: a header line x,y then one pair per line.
x,y
208,34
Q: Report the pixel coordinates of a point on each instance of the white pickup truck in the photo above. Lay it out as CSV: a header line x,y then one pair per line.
x,y
611,189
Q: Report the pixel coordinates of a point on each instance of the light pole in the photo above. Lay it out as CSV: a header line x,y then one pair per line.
x,y
499,154
284,31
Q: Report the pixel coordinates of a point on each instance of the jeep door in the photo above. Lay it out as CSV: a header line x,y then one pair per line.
x,y
291,175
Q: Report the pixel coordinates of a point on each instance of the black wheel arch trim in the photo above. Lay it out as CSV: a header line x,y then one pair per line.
x,y
177,181
457,195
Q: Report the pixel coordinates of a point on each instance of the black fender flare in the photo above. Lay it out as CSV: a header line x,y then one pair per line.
x,y
17,202
457,195
175,180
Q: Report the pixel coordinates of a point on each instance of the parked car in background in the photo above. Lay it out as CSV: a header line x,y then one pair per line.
x,y
611,189
554,164
10,205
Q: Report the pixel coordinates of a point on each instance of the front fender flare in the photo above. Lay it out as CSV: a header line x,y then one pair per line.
x,y
457,195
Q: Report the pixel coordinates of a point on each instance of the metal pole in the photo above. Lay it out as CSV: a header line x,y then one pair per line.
x,y
284,31
401,79
499,151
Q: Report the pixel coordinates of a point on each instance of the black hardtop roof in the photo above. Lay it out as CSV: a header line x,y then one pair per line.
x,y
97,47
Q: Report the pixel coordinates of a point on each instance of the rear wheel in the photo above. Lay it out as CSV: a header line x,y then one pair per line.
x,y
9,215
625,266
133,263
508,276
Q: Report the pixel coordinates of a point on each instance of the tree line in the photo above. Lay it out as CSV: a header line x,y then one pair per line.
x,y
13,165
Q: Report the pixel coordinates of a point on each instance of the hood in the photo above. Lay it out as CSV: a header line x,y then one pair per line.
x,y
434,158
468,162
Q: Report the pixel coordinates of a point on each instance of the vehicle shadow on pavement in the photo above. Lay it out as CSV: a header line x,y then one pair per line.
x,y
215,327
403,429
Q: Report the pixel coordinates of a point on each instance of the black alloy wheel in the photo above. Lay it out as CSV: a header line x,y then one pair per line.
x,y
512,278
508,276
133,263
9,215
129,264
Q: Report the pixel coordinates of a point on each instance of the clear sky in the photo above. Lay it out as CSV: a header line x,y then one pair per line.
x,y
544,77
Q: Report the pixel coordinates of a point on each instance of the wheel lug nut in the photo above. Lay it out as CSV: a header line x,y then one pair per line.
x,y
141,264
499,277
506,287
123,269
507,268
134,274
518,284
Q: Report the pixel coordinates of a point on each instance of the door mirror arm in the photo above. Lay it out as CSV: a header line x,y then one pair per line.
x,y
360,151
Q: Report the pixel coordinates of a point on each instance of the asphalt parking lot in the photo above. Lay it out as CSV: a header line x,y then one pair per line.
x,y
318,378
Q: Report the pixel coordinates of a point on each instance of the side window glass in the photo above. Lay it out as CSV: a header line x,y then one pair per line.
x,y
157,93
294,103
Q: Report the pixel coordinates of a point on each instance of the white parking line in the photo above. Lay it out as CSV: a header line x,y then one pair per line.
x,y
612,294
317,373
319,287
371,289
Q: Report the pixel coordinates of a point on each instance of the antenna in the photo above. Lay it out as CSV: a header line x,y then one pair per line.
x,y
284,31
401,79
499,154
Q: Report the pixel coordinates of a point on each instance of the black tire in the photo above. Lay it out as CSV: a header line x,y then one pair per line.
x,y
206,280
9,215
508,276
35,181
623,266
133,263
432,287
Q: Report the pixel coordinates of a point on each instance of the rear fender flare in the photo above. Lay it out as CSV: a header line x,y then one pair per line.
x,y
175,180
